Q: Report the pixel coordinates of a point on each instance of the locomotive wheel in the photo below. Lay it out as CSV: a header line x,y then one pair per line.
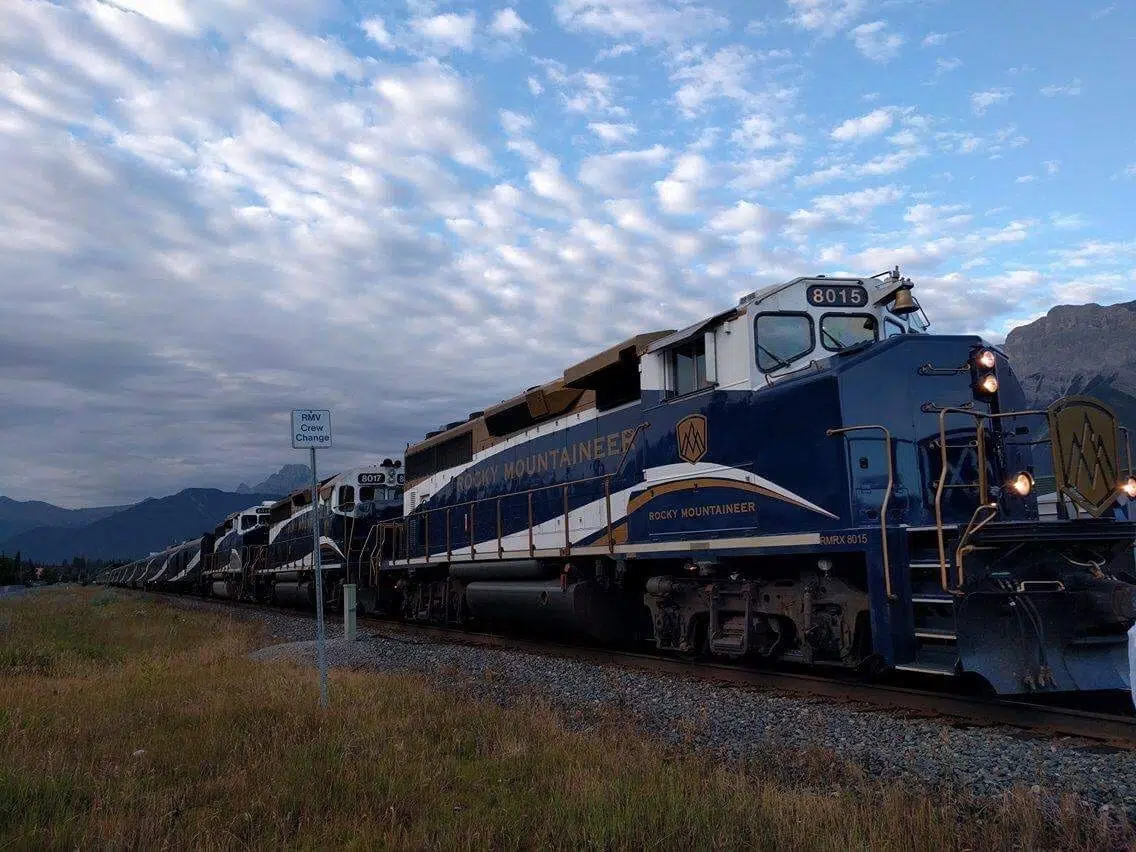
x,y
700,642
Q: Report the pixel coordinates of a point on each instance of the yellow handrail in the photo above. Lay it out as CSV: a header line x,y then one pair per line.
x,y
983,486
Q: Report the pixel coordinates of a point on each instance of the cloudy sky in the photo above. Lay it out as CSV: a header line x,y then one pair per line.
x,y
212,211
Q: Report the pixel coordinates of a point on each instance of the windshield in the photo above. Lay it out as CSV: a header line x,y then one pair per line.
x,y
840,331
782,338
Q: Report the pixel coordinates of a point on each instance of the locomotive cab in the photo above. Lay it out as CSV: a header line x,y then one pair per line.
x,y
783,330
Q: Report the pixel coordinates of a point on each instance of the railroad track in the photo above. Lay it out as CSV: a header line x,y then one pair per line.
x,y
1111,729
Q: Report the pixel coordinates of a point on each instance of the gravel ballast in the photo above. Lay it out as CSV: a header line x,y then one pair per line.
x,y
727,721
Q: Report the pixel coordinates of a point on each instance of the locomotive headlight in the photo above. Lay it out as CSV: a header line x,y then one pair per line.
x,y
986,359
1129,487
988,383
1022,484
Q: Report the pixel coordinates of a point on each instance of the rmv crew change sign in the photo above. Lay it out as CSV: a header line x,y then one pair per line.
x,y
311,428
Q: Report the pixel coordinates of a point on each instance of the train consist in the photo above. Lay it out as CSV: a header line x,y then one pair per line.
x,y
808,476
264,553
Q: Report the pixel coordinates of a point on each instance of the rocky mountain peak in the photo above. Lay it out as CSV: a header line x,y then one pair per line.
x,y
1079,349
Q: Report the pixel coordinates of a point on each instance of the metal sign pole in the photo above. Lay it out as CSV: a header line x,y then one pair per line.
x,y
321,646
311,430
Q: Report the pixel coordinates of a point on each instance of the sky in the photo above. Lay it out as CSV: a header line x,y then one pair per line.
x,y
215,211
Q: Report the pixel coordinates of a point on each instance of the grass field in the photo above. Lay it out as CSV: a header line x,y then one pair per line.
x,y
124,723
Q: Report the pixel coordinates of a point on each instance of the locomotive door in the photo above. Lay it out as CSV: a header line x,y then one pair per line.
x,y
868,465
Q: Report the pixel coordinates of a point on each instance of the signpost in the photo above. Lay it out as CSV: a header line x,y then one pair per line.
x,y
311,430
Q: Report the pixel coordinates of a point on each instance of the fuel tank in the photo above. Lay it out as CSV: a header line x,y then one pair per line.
x,y
302,594
579,609
508,569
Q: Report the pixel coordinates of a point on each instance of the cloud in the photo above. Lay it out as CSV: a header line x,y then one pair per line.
x,y
649,20
829,211
678,192
875,42
721,75
617,174
872,124
1068,221
760,172
508,24
934,39
447,31
1068,89
982,101
1025,179
824,16
612,133
945,66
376,31
216,207
928,219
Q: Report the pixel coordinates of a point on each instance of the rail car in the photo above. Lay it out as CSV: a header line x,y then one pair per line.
x,y
265,553
808,475
351,504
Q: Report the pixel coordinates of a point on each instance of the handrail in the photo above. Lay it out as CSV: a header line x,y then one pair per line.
x,y
496,499
363,550
982,484
1127,447
887,494
973,526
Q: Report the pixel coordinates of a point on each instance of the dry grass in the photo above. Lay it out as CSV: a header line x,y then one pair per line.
x,y
129,724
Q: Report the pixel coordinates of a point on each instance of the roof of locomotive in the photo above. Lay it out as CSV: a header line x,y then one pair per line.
x,y
575,389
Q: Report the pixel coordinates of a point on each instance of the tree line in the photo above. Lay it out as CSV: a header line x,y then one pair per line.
x,y
15,570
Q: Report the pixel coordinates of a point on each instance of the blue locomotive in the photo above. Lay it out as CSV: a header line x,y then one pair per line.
x,y
807,476
265,553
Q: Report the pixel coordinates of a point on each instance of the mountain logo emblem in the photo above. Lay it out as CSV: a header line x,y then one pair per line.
x,y
1085,452
690,433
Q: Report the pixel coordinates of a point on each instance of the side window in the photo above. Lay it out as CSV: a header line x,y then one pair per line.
x,y
840,331
366,493
346,495
687,367
781,338
892,328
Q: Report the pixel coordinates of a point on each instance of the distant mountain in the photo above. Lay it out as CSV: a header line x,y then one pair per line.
x,y
1079,349
135,531
17,516
284,481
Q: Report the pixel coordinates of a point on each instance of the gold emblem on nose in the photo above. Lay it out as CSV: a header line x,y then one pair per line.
x,y
691,435
1085,452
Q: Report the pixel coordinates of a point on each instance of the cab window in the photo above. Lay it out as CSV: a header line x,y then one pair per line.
x,y
248,522
687,367
782,338
346,495
366,493
840,331
892,328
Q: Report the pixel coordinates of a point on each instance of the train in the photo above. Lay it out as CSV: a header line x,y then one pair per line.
x,y
808,476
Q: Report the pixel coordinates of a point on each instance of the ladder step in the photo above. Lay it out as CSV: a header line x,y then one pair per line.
x,y
922,668
932,599
925,563
931,633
